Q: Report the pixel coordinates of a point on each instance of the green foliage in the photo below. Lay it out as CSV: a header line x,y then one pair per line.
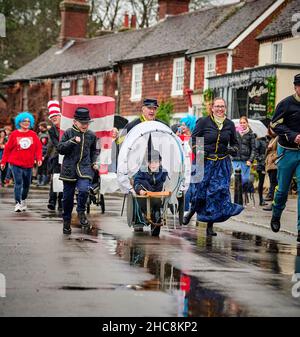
x,y
208,96
31,28
165,111
271,96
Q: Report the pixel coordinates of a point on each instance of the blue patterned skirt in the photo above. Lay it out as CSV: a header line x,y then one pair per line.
x,y
212,200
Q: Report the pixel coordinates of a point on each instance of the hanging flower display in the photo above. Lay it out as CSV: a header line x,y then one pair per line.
x,y
208,95
271,95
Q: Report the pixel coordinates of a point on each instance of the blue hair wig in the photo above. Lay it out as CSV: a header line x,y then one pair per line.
x,y
21,116
189,121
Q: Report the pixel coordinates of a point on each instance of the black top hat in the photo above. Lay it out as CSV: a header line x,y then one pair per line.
x,y
297,79
82,115
153,155
150,102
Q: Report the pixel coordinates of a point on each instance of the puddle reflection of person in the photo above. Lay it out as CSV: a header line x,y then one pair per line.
x,y
184,289
296,276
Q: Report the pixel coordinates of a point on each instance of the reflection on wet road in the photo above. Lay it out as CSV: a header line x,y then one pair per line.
x,y
233,274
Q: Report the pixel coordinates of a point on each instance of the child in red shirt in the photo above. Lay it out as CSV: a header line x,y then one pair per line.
x,y
21,151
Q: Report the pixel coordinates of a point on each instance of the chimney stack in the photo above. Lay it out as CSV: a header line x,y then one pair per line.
x,y
74,19
133,21
126,20
172,7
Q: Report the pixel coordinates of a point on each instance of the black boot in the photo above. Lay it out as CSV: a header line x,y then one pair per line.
x,y
83,219
67,227
298,237
209,229
187,218
275,224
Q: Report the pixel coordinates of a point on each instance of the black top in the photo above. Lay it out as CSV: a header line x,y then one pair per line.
x,y
78,157
286,122
216,142
246,149
261,146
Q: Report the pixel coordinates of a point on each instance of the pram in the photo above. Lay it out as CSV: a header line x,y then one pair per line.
x,y
174,159
95,197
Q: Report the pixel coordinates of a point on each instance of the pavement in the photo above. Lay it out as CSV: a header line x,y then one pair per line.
x,y
255,215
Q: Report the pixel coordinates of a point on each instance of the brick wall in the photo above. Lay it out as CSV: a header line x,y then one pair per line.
x,y
40,94
221,63
150,88
245,55
199,73
4,115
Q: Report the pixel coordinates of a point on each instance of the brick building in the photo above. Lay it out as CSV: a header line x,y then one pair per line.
x,y
169,60
256,91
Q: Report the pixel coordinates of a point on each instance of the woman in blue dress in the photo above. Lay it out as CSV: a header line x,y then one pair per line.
x,y
212,200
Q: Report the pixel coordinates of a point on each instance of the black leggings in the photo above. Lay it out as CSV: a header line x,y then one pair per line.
x,y
273,182
261,180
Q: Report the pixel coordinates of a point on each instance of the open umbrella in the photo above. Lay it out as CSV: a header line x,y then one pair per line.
x,y
256,126
120,122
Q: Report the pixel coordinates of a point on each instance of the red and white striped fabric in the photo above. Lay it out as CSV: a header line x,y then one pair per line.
x,y
102,110
54,108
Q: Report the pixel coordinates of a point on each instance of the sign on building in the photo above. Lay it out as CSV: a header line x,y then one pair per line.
x,y
257,101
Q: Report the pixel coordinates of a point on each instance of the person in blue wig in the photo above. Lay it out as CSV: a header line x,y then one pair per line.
x,y
21,151
186,127
211,199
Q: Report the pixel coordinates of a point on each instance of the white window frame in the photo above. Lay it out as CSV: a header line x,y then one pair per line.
x,y
209,68
99,85
80,86
136,82
178,76
210,62
277,52
65,88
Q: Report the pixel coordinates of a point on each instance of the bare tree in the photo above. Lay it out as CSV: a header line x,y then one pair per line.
x,y
145,11
108,14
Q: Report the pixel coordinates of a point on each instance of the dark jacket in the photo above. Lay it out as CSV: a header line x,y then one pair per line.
x,y
78,157
52,153
150,181
246,147
216,142
260,153
286,122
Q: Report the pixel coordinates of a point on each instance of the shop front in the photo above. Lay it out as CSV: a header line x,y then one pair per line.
x,y
255,92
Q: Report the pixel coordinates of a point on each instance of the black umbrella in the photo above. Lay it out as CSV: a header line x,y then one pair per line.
x,y
120,122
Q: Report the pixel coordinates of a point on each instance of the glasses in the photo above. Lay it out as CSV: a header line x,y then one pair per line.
x,y
219,106
26,121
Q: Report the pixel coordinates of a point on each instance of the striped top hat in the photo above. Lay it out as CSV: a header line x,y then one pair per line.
x,y
54,108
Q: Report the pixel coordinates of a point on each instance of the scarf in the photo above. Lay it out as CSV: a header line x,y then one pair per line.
x,y
242,132
297,98
219,121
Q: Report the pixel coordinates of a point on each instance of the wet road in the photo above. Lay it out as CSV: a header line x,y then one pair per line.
x,y
244,271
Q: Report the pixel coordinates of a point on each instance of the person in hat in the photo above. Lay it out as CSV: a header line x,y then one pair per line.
x,y
150,177
286,124
21,151
53,165
149,110
78,145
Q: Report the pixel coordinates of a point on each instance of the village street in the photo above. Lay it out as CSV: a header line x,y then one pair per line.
x,y
245,271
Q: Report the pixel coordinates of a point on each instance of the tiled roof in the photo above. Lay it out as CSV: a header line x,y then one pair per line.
x,y
283,24
194,32
87,55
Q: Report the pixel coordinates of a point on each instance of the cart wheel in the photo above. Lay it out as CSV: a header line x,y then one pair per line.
x,y
102,203
155,230
181,209
130,210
